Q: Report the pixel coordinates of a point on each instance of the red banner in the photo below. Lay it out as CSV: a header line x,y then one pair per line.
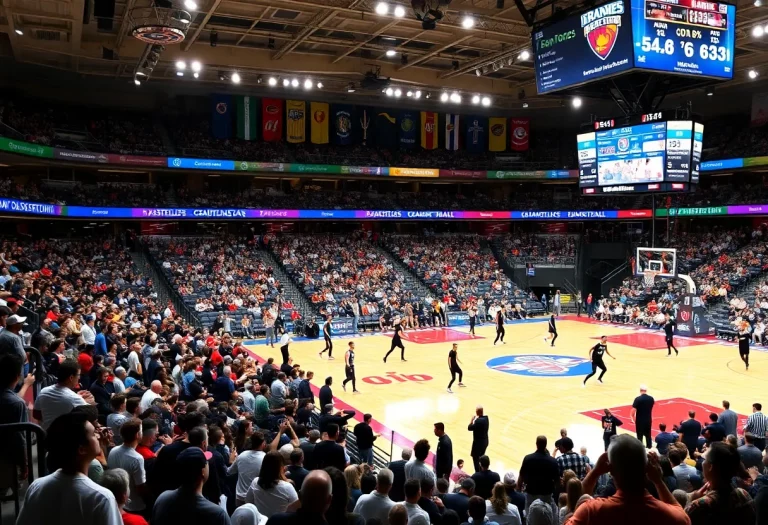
x,y
136,160
635,214
271,119
464,174
519,134
553,227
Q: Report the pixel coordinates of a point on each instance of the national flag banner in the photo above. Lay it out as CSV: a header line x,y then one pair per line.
x,y
221,116
386,129
519,133
365,119
318,127
476,140
272,119
429,130
497,138
343,124
246,117
296,122
451,132
407,129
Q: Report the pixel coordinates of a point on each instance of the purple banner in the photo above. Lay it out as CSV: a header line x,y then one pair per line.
x,y
747,209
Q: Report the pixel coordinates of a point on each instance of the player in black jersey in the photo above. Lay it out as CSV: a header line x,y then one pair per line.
x,y
349,369
396,341
327,336
453,366
597,352
472,311
744,343
552,330
669,327
499,326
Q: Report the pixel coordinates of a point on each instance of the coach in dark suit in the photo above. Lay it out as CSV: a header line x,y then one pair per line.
x,y
397,492
479,428
642,413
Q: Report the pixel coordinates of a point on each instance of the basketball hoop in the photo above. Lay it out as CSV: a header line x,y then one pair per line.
x,y
649,277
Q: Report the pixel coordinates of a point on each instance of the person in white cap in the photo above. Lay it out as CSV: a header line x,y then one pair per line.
x,y
248,514
10,339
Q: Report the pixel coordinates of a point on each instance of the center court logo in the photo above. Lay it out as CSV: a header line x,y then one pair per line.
x,y
540,365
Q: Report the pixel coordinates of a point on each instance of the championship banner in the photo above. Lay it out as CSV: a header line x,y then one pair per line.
x,y
221,116
520,130
451,132
343,125
246,117
319,122
386,130
407,130
476,134
272,119
429,130
295,113
497,140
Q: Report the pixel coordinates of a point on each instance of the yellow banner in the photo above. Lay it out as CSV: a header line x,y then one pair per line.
x,y
497,138
319,113
413,172
295,117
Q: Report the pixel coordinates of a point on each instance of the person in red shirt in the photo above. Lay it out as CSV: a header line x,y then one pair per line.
x,y
116,481
149,437
85,359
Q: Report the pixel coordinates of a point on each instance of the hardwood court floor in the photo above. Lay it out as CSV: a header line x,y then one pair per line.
x,y
529,388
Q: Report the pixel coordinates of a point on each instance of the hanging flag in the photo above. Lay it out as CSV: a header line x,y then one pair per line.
x,y
366,130
246,118
221,116
497,139
272,119
451,132
319,123
476,134
519,133
407,130
296,123
386,130
343,125
428,130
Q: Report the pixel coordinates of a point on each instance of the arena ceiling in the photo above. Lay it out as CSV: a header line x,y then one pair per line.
x,y
332,41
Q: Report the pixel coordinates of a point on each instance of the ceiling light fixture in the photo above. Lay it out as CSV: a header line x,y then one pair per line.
x,y
20,32
389,92
181,65
236,77
455,98
525,55
319,85
576,102
382,8
399,11
486,101
391,52
444,97
190,4
272,81
757,31
196,74
308,84
137,81
286,82
197,66
753,74
294,83
468,22
398,92
417,94
476,99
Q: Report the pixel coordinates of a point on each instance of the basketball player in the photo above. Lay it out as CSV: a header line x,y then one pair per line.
x,y
327,336
285,340
472,311
396,341
349,369
453,366
669,328
596,353
499,325
552,330
744,343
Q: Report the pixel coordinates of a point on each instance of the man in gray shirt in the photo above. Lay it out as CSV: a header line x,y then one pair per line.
x,y
279,391
750,455
729,419
10,339
417,469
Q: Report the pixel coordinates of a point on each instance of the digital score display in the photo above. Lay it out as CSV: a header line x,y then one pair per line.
x,y
654,155
579,49
691,37
688,37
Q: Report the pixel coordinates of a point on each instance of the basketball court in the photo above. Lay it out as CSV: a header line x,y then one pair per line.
x,y
529,388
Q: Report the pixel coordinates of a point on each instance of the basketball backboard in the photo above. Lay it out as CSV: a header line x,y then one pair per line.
x,y
663,261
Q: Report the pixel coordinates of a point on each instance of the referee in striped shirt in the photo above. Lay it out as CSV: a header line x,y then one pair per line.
x,y
757,425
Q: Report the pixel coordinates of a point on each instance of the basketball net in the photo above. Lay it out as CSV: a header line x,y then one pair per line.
x,y
649,277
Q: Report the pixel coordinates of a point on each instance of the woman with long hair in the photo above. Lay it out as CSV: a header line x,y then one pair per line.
x,y
667,474
271,492
353,475
499,509
573,491
718,501
337,513
244,431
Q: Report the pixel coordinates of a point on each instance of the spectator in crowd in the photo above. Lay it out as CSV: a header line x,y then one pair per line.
x,y
499,509
485,479
397,468
377,504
